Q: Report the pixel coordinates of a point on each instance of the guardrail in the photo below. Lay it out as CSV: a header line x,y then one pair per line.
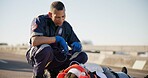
x,y
117,48
106,55
132,50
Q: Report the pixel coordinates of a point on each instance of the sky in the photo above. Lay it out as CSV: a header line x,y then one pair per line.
x,y
104,22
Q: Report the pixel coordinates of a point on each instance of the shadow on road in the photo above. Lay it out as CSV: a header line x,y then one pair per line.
x,y
15,66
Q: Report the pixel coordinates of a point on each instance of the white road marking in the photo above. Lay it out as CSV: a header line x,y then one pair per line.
x,y
3,61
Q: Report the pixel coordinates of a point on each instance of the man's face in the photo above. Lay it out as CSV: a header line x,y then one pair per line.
x,y
58,17
70,75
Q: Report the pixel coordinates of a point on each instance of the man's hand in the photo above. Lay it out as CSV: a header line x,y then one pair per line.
x,y
62,43
76,46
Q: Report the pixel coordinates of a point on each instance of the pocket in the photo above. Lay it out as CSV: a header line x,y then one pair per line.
x,y
30,56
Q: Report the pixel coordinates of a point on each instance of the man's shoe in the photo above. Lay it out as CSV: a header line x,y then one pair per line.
x,y
124,69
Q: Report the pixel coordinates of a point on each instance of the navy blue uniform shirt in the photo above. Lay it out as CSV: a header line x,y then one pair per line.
x,y
44,26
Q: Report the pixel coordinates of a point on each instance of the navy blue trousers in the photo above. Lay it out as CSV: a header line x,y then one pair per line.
x,y
45,57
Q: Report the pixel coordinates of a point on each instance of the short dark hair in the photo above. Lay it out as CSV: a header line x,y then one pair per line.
x,y
58,5
70,75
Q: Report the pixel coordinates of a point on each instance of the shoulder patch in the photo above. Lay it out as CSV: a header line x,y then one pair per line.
x,y
34,25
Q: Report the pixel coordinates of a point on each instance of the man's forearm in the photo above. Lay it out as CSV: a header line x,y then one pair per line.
x,y
38,40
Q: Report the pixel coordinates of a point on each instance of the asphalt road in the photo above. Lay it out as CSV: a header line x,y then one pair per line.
x,y
16,66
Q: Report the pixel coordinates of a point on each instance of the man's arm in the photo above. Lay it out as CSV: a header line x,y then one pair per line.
x,y
38,40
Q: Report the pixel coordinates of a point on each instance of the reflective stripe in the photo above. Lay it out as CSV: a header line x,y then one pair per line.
x,y
35,33
31,53
60,31
34,48
42,47
74,55
47,63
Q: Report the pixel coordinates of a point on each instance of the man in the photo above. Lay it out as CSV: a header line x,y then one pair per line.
x,y
50,37
77,70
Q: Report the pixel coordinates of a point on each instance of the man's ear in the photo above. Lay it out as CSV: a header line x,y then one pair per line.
x,y
50,14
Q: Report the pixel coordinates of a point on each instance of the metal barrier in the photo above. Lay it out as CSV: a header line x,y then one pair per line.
x,y
119,56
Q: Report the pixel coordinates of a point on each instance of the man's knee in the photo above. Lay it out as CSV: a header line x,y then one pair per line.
x,y
81,57
84,57
45,51
48,52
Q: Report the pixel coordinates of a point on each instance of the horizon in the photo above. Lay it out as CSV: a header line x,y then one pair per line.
x,y
107,22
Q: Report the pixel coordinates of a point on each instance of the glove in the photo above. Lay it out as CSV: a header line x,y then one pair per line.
x,y
76,46
62,42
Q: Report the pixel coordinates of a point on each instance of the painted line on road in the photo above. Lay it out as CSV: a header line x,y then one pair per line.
x,y
3,61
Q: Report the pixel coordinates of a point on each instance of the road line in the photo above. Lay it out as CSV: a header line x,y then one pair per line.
x,y
3,61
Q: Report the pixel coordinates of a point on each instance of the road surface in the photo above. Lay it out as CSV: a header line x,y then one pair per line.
x,y
16,66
